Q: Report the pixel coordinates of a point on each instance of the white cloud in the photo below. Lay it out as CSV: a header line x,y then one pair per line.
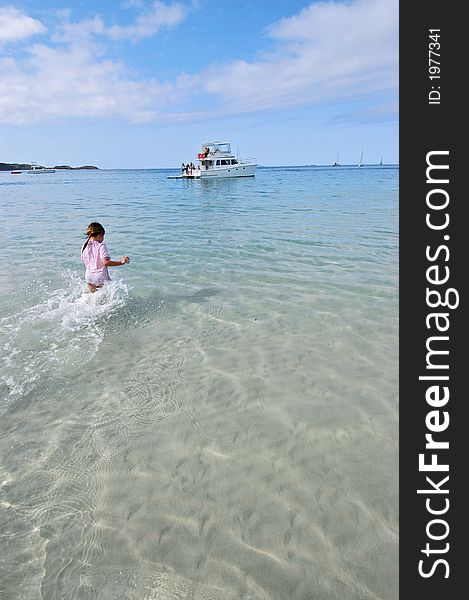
x,y
81,32
146,24
150,22
15,25
63,83
75,80
328,52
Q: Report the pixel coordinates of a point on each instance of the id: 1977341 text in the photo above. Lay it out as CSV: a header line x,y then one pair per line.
x,y
434,66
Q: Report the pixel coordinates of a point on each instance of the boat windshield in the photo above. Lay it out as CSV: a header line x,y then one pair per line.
x,y
218,147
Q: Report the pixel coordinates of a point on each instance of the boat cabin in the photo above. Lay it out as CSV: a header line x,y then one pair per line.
x,y
220,162
216,155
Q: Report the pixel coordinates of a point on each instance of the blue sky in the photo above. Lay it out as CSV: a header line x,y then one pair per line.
x,y
142,83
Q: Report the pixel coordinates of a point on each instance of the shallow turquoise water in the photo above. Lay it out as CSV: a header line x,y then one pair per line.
x,y
220,421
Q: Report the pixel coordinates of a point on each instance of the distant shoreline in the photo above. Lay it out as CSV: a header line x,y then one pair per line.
x,y
4,167
27,167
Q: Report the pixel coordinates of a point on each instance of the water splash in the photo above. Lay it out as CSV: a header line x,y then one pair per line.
x,y
63,331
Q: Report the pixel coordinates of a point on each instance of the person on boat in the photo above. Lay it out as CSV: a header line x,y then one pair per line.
x,y
191,167
187,169
206,151
96,258
183,167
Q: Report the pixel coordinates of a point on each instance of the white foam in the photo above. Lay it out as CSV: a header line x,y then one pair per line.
x,y
59,333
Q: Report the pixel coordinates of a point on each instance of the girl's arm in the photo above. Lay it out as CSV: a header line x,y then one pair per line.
x,y
107,262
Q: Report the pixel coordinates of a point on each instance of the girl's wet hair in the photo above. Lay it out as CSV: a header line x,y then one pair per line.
x,y
92,230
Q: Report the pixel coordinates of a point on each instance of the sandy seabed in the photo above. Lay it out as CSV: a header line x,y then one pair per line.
x,y
221,422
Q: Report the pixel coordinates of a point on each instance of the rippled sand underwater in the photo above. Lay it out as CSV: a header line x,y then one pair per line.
x,y
220,422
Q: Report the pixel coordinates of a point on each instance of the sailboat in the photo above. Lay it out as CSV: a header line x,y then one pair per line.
x,y
336,164
381,162
360,164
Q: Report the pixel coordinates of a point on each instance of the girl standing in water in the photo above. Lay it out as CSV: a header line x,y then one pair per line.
x,y
95,256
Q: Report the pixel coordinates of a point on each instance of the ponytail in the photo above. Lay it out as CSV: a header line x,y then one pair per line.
x,y
85,244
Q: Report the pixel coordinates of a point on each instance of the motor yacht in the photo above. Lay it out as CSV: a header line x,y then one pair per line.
x,y
217,160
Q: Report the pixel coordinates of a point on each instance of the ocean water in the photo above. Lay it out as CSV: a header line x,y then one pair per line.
x,y
221,421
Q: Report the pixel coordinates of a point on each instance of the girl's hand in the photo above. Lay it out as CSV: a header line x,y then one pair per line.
x,y
125,260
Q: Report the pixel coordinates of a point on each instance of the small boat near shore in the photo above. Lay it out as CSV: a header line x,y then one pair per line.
x,y
217,160
16,172
35,169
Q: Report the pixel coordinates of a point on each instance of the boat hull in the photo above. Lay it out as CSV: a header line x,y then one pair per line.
x,y
239,170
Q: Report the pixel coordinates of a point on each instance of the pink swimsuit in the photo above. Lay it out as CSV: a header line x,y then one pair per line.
x,y
93,256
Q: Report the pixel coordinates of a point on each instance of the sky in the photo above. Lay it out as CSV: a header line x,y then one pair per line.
x,y
143,83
